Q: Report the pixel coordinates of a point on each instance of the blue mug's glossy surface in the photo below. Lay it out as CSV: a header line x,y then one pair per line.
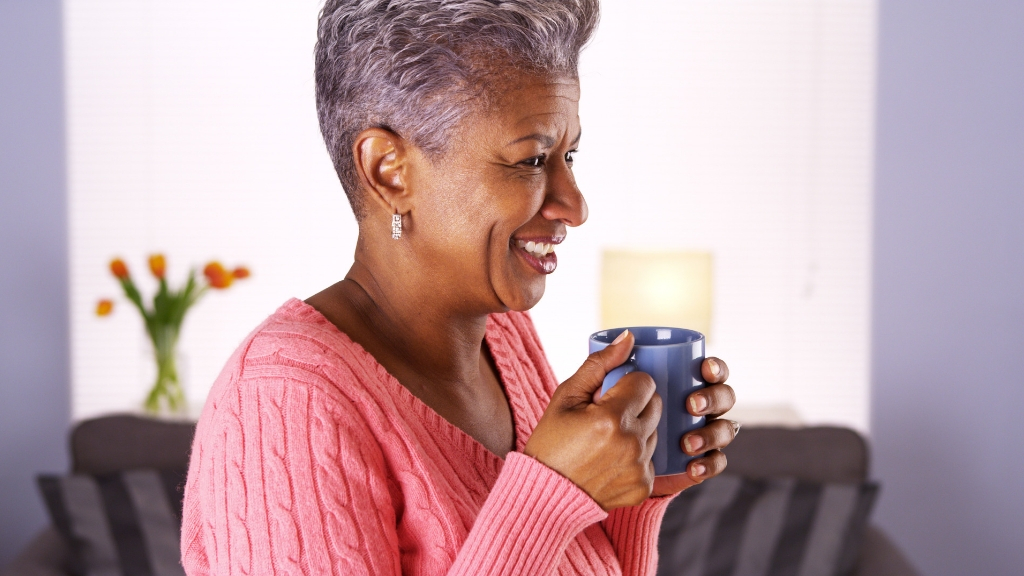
x,y
672,357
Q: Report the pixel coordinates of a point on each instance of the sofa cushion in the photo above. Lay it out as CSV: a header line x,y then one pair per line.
x,y
814,454
879,556
120,523
125,442
44,555
752,526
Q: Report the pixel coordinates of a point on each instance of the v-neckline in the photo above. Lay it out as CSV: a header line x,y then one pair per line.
x,y
507,379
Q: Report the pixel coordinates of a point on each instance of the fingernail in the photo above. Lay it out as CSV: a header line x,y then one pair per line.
x,y
714,367
735,427
620,337
698,470
694,443
698,403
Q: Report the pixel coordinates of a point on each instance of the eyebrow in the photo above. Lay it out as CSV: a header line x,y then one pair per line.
x,y
544,139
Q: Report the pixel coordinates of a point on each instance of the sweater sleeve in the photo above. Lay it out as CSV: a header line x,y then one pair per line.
x,y
285,480
633,532
530,516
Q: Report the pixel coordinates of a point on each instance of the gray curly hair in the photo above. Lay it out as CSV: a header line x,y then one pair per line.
x,y
418,67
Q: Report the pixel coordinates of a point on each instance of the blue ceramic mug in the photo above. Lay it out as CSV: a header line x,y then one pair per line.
x,y
672,357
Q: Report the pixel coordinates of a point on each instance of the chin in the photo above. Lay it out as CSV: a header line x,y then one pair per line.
x,y
524,296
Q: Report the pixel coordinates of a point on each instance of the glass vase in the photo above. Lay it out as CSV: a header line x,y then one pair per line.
x,y
167,396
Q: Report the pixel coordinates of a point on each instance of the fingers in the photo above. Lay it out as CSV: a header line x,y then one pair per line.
x,y
650,416
652,443
632,394
583,385
713,400
714,436
711,465
612,355
714,370
699,470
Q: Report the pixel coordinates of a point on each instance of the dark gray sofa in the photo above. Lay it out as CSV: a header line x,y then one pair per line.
x,y
818,454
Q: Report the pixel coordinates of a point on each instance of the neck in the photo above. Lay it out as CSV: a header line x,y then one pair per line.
x,y
415,321
399,316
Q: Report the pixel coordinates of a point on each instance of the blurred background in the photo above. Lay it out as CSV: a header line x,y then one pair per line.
x,y
847,176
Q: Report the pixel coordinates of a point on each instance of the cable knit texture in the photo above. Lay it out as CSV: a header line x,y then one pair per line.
x,y
310,458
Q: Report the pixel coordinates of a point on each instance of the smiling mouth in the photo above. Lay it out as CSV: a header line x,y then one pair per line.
x,y
538,253
538,249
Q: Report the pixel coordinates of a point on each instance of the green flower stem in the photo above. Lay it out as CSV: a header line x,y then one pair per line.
x,y
167,387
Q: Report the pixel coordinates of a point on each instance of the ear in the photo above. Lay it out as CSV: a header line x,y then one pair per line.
x,y
381,159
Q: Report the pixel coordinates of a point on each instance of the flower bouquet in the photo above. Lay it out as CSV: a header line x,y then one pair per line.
x,y
163,319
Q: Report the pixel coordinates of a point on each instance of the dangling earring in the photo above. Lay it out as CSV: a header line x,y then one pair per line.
x,y
396,226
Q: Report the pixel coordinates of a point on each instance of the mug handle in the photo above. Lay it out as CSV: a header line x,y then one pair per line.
x,y
612,378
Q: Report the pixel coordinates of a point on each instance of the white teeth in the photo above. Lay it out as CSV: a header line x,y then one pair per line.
x,y
536,248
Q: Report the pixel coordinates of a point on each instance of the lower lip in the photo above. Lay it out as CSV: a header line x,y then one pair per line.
x,y
542,264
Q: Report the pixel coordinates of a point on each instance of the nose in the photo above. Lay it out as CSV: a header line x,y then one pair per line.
x,y
563,201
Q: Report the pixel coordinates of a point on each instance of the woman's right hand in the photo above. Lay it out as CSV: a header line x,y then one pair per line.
x,y
605,445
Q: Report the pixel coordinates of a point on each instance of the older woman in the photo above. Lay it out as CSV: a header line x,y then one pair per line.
x,y
405,420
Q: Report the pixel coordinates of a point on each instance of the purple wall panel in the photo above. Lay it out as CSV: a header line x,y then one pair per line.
x,y
34,358
948,325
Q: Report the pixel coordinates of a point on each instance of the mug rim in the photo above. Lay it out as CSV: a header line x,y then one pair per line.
x,y
601,335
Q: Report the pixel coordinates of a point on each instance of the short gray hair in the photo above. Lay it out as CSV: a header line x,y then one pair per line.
x,y
418,67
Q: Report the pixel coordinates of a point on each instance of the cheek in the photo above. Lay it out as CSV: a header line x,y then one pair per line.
x,y
452,214
470,221
493,214
511,217
466,234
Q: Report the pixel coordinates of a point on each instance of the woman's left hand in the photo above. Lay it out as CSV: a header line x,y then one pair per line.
x,y
712,401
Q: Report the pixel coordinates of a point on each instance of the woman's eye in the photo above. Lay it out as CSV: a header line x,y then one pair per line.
x,y
535,162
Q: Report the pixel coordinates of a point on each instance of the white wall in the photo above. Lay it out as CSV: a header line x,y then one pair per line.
x,y
193,131
754,121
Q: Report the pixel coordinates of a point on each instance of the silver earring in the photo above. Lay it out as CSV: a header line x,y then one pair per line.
x,y
396,226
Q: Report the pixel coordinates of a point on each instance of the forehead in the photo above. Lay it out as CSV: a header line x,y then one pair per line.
x,y
531,93
528,103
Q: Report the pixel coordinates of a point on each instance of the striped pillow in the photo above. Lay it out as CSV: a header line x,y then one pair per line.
x,y
122,523
736,526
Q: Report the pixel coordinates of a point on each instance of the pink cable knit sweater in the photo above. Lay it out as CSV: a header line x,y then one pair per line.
x,y
310,458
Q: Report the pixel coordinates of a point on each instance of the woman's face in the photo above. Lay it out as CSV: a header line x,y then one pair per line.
x,y
490,212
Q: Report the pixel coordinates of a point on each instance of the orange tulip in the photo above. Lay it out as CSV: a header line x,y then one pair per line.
x,y
217,276
104,307
240,272
157,265
119,269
